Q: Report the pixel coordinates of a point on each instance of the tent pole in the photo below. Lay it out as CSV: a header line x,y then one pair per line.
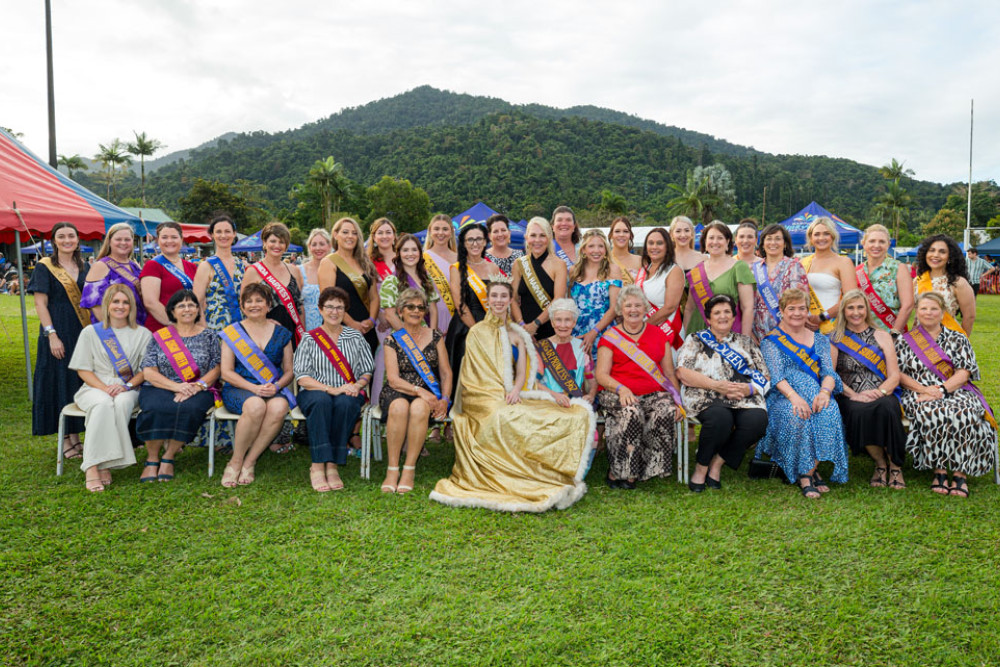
x,y
24,315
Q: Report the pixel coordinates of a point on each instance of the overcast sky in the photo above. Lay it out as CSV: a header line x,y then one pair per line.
x,y
866,80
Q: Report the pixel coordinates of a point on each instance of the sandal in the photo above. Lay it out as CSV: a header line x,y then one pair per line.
x,y
95,485
390,488
896,481
283,449
809,488
335,482
230,477
246,476
163,477
878,480
106,477
402,490
150,464
73,451
960,488
820,484
318,480
940,485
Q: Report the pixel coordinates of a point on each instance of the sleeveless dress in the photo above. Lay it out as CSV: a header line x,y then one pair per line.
x,y
93,292
593,301
883,280
529,307
408,373
457,330
310,301
234,397
827,288
217,315
785,275
505,264
356,308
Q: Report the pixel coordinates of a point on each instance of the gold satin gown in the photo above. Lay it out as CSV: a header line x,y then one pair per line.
x,y
527,457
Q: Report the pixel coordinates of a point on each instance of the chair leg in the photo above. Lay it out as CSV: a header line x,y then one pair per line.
x,y
377,442
366,431
60,456
211,446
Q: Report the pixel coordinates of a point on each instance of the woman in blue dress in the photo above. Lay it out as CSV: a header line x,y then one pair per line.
x,y
594,283
804,425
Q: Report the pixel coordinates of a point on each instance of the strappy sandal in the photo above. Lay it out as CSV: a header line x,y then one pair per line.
x,y
246,476
73,451
318,480
940,485
150,464
230,477
896,479
163,477
960,489
878,480
403,490
809,488
390,488
820,484
95,485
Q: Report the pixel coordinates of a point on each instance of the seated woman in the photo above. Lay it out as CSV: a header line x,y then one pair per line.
x,y
865,359
257,369
105,357
417,387
180,368
725,380
803,426
515,449
333,367
639,394
952,427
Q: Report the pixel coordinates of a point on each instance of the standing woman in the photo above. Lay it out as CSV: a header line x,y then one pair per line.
x,y
349,268
886,283
746,242
780,271
218,280
830,275
594,284
165,274
721,273
682,234
57,284
318,246
662,282
381,246
941,268
114,265
439,254
107,358
500,252
865,359
539,278
468,279
566,234
286,303
410,272
622,242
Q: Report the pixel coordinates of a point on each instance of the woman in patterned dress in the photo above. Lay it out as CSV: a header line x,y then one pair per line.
x,y
804,425
500,252
870,409
410,272
784,272
951,428
318,246
941,268
622,241
889,278
594,284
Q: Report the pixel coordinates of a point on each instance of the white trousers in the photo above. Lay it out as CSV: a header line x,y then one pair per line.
x,y
106,443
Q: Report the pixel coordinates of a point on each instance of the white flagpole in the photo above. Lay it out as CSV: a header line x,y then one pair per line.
x,y
968,204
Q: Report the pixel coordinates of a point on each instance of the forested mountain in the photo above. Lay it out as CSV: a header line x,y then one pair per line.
x,y
524,160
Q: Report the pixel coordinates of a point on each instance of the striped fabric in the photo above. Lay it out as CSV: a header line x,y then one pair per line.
x,y
311,362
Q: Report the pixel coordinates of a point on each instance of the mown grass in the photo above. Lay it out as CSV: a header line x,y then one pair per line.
x,y
186,574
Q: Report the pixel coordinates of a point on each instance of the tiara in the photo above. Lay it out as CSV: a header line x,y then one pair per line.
x,y
501,279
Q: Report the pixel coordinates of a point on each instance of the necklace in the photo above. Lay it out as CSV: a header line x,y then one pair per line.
x,y
633,333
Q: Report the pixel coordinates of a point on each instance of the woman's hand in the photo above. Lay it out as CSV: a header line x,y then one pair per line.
x,y
932,393
514,396
562,400
113,390
800,408
266,390
531,329
812,322
56,347
626,397
439,408
589,338
351,389
821,401
867,396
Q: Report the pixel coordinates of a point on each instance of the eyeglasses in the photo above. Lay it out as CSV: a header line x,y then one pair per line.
x,y
475,241
419,307
333,308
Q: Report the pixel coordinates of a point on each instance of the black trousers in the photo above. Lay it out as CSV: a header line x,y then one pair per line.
x,y
729,432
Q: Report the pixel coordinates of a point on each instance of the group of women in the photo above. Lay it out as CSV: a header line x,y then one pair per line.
x,y
804,358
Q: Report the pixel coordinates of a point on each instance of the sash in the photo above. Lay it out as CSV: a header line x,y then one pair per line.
x,y
627,278
563,375
869,357
284,296
72,289
418,361
358,280
882,311
815,307
561,254
228,288
670,326
384,269
538,292
440,282
805,361
643,361
253,358
335,356
180,358
736,360
924,284
939,363
115,352
130,276
174,271
766,289
479,288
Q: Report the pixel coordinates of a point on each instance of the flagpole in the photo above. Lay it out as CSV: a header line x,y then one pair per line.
x,y
968,205
24,314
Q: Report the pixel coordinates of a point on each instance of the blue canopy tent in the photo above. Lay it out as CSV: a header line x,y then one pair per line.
x,y
153,249
989,248
480,213
799,223
46,249
253,243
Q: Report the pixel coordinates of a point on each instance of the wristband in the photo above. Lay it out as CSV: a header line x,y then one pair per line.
x,y
883,391
829,391
372,320
202,384
49,330
618,389
537,323
823,317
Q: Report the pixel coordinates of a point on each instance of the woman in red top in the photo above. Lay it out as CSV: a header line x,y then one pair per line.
x,y
165,275
636,372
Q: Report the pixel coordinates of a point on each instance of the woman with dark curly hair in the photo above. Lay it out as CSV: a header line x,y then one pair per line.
x,y
467,281
941,268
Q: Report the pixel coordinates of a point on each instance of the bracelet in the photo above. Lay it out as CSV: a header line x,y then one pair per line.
x,y
49,330
372,320
618,389
829,391
883,391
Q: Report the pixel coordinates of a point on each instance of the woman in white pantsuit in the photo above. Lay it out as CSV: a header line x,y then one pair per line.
x,y
107,395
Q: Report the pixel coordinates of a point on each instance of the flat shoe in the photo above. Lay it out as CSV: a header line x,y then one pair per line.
x,y
940,484
961,489
713,483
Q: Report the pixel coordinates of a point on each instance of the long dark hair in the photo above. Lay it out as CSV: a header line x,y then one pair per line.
x,y
668,256
955,267
463,261
425,280
77,254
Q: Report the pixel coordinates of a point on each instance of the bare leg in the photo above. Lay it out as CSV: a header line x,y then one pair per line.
x,y
395,434
166,471
416,432
152,456
274,416
93,478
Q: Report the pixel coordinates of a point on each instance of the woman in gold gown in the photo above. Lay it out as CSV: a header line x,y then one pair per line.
x,y
515,449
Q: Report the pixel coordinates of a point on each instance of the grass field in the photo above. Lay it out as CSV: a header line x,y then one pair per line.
x,y
190,573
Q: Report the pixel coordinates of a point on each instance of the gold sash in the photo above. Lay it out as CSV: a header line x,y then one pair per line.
x,y
72,289
440,282
815,307
534,284
358,280
627,278
479,287
924,284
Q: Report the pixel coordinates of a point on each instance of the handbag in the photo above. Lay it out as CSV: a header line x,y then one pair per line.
x,y
761,469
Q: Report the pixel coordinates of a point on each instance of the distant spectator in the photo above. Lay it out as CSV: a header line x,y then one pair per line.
x,y
977,268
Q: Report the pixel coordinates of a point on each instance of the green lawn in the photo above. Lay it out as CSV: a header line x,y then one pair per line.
x,y
190,573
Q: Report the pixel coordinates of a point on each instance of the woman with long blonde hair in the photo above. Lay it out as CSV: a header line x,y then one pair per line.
x,y
594,284
349,268
440,252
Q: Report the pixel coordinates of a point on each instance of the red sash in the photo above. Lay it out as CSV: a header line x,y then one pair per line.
x,y
284,296
670,326
882,311
334,355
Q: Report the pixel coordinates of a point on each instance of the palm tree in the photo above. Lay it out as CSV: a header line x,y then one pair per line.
x,y
327,176
112,156
72,164
894,171
894,202
142,148
695,200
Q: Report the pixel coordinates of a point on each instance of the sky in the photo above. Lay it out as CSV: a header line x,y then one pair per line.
x,y
865,80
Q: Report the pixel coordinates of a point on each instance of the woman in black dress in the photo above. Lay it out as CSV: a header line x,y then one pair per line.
x,y
467,280
349,268
541,267
57,285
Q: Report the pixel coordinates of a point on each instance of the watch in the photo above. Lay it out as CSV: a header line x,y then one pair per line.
x,y
883,391
129,386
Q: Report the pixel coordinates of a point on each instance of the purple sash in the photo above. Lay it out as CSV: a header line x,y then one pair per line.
x,y
702,290
115,352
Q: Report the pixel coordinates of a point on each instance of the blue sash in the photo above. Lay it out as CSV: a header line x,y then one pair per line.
x,y
253,358
115,352
563,256
174,271
736,360
806,362
418,361
766,289
869,357
228,288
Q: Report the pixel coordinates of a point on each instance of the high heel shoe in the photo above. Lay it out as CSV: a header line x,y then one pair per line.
x,y
390,488
696,487
401,490
713,483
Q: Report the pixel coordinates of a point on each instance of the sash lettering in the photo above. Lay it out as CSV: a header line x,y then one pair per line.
x,y
284,296
766,289
815,307
128,272
228,288
561,254
643,361
869,357
881,310
71,287
335,356
702,291
249,354
418,361
924,284
440,281
115,352
670,326
479,288
538,293
563,375
182,277
802,357
739,363
180,358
